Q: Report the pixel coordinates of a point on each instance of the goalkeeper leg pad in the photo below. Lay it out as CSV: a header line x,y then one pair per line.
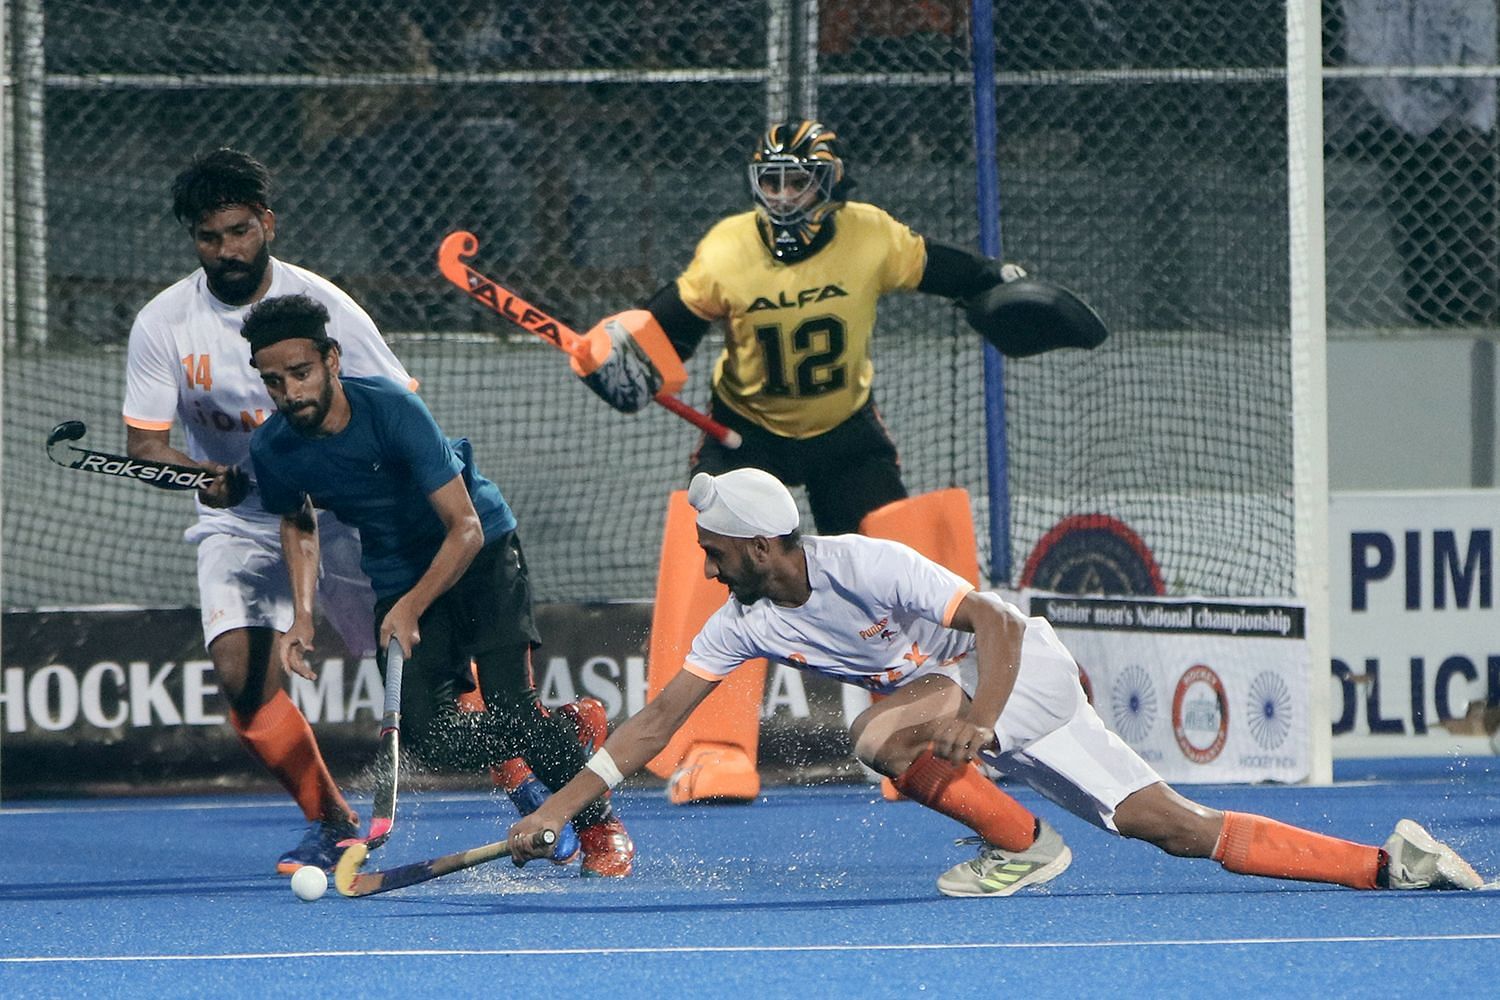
x,y
940,525
714,772
729,719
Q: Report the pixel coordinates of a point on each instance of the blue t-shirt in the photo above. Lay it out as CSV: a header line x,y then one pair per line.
x,y
376,475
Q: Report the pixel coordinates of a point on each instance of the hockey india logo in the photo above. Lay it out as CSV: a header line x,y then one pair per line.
x,y
1200,714
1132,703
1269,710
1092,554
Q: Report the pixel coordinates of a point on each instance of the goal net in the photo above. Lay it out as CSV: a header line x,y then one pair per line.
x,y
589,144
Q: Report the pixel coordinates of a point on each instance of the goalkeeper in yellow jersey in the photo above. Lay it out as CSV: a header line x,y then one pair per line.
x,y
796,282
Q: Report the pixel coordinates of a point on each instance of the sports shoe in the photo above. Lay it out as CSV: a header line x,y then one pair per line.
x,y
591,720
528,797
318,847
608,850
1419,861
998,872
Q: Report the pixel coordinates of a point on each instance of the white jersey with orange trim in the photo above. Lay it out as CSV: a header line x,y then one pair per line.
x,y
879,615
188,362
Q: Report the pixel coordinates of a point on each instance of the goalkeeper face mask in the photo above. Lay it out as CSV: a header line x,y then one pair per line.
x,y
797,182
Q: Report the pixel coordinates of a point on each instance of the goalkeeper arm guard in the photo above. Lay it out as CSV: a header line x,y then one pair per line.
x,y
628,360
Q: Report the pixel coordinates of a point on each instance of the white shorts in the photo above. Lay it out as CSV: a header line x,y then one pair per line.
x,y
243,583
1051,738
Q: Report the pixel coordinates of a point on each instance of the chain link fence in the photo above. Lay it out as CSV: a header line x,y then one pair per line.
x,y
590,143
1411,161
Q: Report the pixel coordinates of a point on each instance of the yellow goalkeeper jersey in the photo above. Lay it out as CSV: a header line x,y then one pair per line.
x,y
796,355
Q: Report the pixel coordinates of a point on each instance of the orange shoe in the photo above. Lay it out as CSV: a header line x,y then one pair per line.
x,y
589,716
608,851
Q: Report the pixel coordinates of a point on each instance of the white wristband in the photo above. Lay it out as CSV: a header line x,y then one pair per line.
x,y
604,766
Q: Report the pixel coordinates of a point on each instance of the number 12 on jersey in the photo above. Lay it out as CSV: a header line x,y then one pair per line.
x,y
819,372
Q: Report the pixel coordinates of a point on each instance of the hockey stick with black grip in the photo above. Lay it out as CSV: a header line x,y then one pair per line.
x,y
350,881
458,246
162,475
383,813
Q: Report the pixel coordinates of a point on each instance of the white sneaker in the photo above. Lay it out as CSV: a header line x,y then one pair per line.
x,y
998,872
1419,861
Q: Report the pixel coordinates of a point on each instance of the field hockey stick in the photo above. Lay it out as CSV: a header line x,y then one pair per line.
x,y
460,245
163,475
383,813
350,881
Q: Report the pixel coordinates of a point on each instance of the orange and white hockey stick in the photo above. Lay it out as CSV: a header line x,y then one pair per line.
x,y
452,255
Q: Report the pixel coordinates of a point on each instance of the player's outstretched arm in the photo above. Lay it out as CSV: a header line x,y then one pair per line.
x,y
628,749
957,273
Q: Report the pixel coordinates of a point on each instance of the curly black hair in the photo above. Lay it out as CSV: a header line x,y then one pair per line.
x,y
217,179
287,317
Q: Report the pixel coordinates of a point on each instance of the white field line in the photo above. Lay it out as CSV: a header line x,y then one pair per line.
x,y
168,804
1167,943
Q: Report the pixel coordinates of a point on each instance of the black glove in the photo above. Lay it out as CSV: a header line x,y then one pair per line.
x,y
1028,316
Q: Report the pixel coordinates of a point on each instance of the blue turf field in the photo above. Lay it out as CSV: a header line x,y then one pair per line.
x,y
826,893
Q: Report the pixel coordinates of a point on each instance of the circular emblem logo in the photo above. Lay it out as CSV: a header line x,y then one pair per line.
x,y
1200,714
1132,702
1092,554
1270,710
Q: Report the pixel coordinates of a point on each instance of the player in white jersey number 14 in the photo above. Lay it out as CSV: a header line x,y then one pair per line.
x,y
188,365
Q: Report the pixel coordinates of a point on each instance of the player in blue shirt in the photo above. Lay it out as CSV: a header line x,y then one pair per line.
x,y
438,543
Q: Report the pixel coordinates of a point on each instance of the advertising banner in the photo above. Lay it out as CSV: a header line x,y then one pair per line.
x,y
126,700
1204,691
1414,633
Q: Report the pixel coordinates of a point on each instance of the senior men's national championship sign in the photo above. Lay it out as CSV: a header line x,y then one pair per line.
x,y
1205,691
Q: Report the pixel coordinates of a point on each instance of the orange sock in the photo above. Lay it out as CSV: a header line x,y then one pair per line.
x,y
1254,845
280,738
472,701
971,798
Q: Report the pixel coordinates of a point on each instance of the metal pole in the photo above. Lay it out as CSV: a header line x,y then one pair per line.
x,y
1309,356
987,185
30,177
809,74
778,58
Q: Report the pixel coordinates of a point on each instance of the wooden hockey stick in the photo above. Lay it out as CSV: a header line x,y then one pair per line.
x,y
459,246
383,813
162,475
350,881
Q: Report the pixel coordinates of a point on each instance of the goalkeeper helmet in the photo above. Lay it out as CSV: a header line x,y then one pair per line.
x,y
797,181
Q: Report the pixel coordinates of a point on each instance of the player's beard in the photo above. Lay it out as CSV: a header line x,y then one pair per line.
x,y
746,583
306,417
233,282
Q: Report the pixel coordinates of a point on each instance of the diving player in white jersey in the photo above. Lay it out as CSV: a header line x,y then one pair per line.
x,y
967,677
188,363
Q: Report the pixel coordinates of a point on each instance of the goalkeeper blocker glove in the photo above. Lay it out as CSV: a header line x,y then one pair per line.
x,y
1027,316
627,360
